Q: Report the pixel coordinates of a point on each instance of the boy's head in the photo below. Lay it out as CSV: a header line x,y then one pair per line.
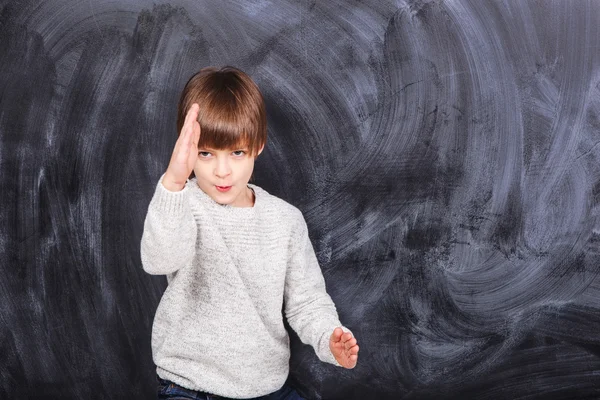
x,y
233,130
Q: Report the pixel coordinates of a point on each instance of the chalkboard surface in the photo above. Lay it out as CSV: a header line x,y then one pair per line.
x,y
445,155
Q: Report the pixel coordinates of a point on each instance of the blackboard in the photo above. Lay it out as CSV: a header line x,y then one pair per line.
x,y
444,154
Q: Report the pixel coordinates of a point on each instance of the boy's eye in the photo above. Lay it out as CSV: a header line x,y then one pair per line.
x,y
205,154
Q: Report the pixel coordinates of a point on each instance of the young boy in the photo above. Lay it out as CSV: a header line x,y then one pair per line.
x,y
233,255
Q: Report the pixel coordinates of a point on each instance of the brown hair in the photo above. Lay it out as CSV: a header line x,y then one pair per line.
x,y
232,110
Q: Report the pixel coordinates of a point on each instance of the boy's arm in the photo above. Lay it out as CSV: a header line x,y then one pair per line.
x,y
169,237
308,308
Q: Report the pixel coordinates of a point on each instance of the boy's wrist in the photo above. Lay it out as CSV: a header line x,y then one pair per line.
x,y
170,185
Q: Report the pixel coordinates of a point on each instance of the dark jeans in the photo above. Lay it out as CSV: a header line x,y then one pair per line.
x,y
171,390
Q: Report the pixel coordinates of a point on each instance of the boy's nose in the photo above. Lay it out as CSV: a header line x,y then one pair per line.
x,y
222,170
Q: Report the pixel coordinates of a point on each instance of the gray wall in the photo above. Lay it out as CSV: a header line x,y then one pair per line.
x,y
444,153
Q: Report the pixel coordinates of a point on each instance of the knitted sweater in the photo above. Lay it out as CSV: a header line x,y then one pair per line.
x,y
219,325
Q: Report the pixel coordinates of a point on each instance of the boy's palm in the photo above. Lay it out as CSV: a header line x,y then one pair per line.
x,y
344,348
185,152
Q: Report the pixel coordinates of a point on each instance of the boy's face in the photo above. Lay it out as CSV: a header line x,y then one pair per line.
x,y
224,175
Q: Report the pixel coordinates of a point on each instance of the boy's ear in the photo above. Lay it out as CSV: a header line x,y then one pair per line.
x,y
260,150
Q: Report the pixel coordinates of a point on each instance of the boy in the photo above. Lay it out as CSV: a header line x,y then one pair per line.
x,y
233,255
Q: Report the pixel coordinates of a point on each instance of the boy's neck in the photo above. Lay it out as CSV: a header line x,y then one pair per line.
x,y
252,196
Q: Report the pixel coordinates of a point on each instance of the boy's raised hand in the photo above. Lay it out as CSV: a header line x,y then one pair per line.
x,y
185,152
344,348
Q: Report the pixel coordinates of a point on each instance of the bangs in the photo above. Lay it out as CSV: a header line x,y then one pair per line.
x,y
224,124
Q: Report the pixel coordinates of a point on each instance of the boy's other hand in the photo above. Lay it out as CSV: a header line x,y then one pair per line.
x,y
185,152
344,348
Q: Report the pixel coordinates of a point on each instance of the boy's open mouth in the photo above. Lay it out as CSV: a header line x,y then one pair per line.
x,y
223,188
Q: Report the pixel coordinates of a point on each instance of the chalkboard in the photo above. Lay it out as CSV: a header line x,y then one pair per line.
x,y
445,155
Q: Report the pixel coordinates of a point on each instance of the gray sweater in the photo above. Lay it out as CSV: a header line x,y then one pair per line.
x,y
219,325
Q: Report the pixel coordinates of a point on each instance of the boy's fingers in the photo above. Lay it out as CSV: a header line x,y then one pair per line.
x,y
183,140
186,128
196,133
186,140
191,122
334,337
183,153
190,119
353,349
194,125
186,124
192,114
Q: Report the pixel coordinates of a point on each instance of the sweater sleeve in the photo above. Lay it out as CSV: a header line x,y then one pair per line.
x,y
308,308
169,237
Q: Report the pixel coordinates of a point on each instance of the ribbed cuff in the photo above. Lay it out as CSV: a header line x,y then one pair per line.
x,y
169,202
